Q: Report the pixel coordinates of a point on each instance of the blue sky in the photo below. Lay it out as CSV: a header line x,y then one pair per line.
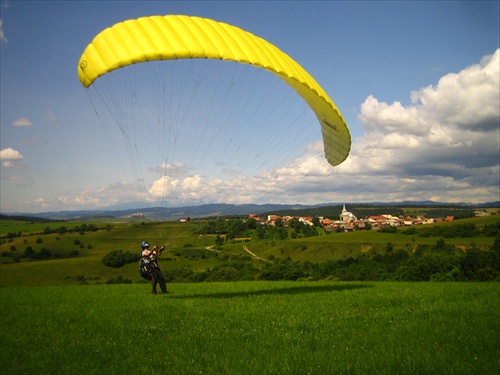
x,y
417,82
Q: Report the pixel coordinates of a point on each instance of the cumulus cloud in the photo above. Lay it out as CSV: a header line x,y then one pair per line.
x,y
22,121
187,189
10,154
460,115
468,100
164,186
11,158
388,118
444,145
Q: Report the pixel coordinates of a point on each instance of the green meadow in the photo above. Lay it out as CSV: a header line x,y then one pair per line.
x,y
62,253
253,327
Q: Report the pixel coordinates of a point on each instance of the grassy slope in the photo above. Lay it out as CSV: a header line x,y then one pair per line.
x,y
126,236
253,328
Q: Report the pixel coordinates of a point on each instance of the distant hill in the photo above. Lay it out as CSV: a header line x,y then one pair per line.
x,y
27,217
159,213
331,210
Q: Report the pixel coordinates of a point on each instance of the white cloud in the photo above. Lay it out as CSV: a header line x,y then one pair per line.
x,y
171,169
100,197
8,164
191,183
445,145
163,187
469,99
400,141
382,117
189,189
10,154
22,121
11,158
3,38
41,203
3,6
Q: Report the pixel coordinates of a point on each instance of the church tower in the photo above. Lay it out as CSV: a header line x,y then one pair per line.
x,y
347,216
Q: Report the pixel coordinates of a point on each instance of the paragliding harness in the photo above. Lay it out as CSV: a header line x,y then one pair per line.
x,y
146,267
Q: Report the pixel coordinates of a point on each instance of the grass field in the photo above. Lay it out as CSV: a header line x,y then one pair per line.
x,y
252,328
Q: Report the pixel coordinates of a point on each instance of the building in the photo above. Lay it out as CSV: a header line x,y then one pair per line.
x,y
347,216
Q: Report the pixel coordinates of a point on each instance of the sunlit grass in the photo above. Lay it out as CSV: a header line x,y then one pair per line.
x,y
253,328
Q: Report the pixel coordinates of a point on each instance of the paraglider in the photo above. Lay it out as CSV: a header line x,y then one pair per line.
x,y
175,37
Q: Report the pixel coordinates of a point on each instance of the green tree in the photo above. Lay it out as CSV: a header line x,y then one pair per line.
x,y
28,252
219,240
252,223
118,258
316,221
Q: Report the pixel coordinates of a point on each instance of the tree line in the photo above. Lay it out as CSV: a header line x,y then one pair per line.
x,y
443,264
251,228
239,228
62,230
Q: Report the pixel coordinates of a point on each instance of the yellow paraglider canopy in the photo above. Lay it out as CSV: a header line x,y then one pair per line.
x,y
182,37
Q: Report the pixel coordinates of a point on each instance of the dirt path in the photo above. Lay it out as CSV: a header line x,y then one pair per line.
x,y
211,248
252,254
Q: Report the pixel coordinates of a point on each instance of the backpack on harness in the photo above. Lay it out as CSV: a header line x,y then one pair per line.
x,y
145,269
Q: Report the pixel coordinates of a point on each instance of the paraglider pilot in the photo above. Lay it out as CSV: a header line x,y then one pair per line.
x,y
149,267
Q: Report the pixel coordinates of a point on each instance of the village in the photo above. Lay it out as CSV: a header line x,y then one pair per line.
x,y
348,222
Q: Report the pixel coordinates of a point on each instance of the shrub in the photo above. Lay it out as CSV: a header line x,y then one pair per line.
x,y
42,254
224,274
491,230
388,229
118,258
282,270
183,274
410,231
28,252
